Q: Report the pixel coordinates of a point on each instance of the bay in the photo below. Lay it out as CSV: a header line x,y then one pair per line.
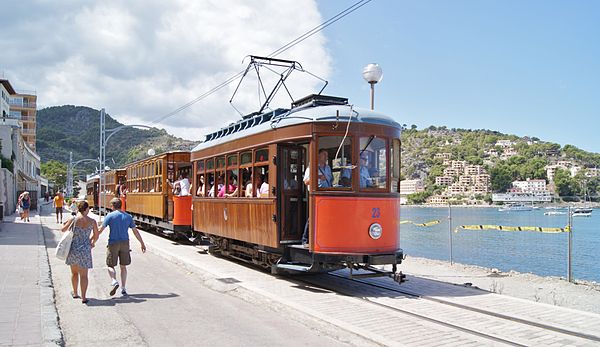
x,y
544,254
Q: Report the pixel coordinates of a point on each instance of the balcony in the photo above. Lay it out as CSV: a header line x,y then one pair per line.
x,y
19,103
28,119
28,131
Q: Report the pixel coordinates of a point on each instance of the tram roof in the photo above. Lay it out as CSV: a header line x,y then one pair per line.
x,y
279,118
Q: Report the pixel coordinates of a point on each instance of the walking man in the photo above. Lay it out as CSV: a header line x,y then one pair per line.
x,y
58,203
119,223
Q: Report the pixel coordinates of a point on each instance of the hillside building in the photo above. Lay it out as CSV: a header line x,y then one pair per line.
x,y
22,164
408,187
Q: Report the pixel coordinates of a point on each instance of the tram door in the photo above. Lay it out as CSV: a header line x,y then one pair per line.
x,y
292,207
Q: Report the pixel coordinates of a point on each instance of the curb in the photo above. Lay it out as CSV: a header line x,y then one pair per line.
x,y
51,333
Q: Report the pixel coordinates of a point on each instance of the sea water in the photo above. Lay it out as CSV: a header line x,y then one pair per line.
x,y
544,254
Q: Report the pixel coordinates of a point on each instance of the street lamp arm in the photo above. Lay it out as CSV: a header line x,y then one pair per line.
x,y
119,128
83,161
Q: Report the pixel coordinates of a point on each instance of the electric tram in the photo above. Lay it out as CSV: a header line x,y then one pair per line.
x,y
322,166
92,190
150,199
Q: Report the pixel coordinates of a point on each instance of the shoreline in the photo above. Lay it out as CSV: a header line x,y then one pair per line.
x,y
580,295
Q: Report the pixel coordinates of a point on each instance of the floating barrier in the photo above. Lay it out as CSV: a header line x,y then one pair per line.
x,y
426,224
513,228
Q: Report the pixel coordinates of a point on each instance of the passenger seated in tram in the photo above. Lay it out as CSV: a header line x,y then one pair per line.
x,y
263,190
248,191
229,189
200,191
325,177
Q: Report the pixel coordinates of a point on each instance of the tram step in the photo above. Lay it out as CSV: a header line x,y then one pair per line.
x,y
293,267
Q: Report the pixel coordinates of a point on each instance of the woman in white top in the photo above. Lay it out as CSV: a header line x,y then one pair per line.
x,y
184,185
263,190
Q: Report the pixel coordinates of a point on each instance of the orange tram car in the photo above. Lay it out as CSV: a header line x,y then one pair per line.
x,y
321,166
322,170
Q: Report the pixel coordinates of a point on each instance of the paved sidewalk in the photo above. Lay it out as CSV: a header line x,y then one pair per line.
x,y
27,315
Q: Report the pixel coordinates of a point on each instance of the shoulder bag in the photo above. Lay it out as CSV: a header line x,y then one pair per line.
x,y
64,245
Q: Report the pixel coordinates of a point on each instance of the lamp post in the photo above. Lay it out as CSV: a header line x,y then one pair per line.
x,y
105,135
373,74
70,171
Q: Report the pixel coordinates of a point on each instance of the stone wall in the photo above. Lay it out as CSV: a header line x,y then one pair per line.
x,y
7,191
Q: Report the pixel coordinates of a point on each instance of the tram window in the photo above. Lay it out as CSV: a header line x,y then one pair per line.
x,y
246,181
200,182
210,184
220,162
335,162
395,167
231,185
200,166
373,162
261,174
210,164
246,158
231,160
220,184
261,155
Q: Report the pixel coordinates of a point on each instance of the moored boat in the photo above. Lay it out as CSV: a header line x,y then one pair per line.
x,y
515,207
581,212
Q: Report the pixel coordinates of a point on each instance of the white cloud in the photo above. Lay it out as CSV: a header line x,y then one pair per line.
x,y
141,60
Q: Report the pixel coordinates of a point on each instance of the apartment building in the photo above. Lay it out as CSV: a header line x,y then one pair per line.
x,y
443,156
23,172
459,165
465,180
451,172
408,187
23,106
504,143
530,186
438,199
444,180
474,170
457,189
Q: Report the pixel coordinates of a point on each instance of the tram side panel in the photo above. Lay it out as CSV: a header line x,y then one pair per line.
x,y
337,231
146,204
240,219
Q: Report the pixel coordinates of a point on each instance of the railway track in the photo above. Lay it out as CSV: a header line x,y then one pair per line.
x,y
507,328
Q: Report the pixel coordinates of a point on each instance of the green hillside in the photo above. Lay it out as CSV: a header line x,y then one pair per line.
x,y
61,129
480,147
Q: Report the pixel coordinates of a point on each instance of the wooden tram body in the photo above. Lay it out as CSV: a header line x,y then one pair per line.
x,y
92,192
351,223
150,197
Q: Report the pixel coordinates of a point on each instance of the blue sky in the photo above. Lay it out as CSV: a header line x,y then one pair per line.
x,y
519,67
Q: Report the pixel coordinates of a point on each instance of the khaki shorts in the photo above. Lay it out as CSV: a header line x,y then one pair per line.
x,y
118,250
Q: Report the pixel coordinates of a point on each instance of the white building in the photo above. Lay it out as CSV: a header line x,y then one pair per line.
x,y
530,186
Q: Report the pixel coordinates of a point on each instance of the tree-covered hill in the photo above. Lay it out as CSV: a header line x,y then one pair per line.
x,y
528,158
61,129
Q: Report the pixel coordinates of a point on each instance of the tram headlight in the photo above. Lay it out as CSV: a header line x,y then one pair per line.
x,y
375,231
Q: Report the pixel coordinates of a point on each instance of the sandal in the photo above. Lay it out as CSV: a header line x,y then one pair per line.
x,y
74,296
84,301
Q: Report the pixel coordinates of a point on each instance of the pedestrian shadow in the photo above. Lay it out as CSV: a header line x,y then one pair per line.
x,y
129,299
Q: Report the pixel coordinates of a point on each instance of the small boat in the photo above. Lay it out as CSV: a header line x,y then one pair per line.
x,y
554,213
581,212
515,207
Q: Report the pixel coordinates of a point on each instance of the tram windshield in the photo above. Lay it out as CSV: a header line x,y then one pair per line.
x,y
335,162
373,162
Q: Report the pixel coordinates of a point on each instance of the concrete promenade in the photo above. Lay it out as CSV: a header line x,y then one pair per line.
x,y
28,316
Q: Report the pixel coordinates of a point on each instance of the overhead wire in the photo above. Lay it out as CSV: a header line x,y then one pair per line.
x,y
278,51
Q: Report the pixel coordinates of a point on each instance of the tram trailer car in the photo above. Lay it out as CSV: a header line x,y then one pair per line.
x,y
92,191
150,199
110,182
350,206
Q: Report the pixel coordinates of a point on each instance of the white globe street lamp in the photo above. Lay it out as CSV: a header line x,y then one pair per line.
x,y
151,152
373,74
